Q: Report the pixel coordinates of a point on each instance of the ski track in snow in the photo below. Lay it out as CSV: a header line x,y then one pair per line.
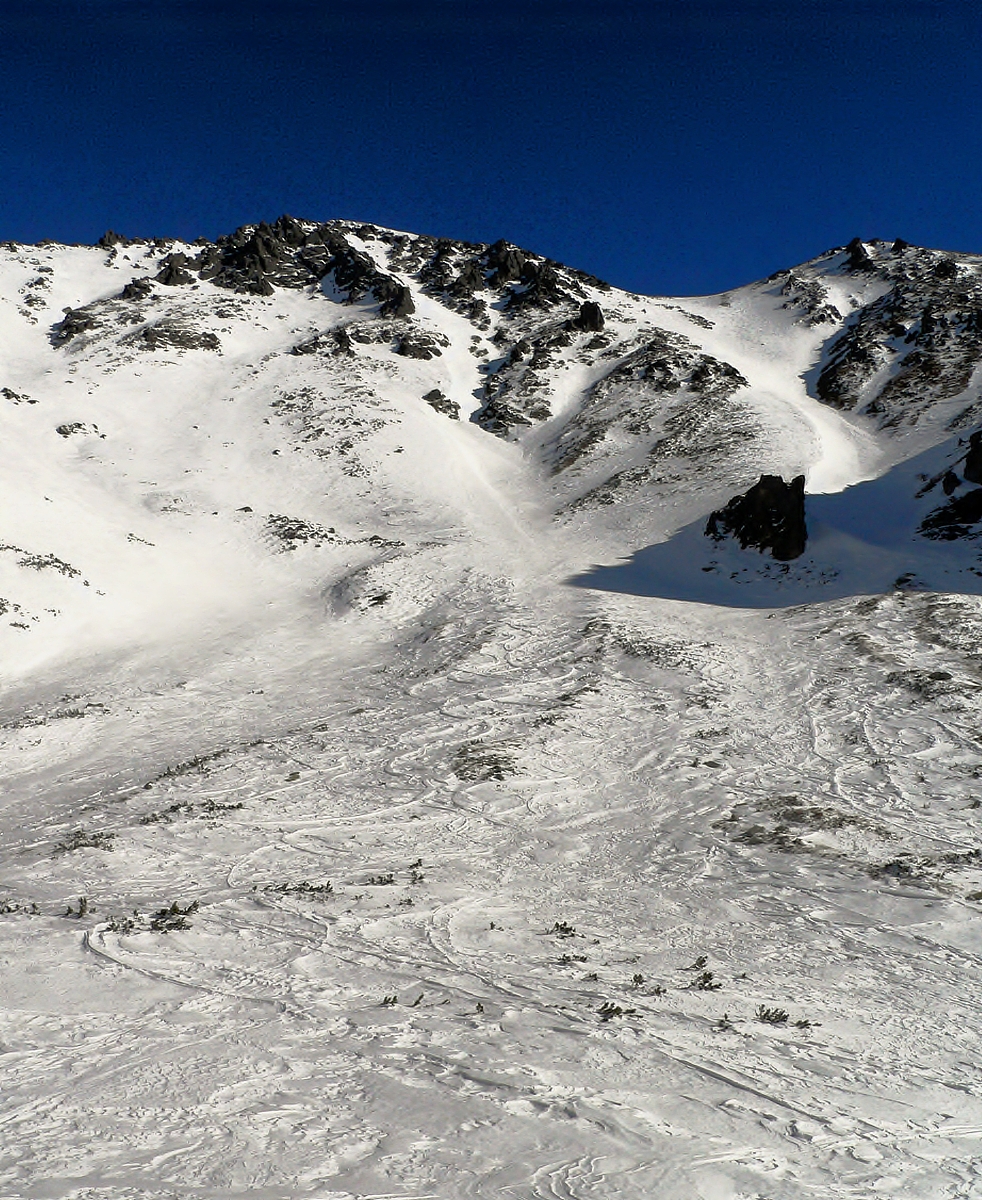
x,y
261,1029
578,843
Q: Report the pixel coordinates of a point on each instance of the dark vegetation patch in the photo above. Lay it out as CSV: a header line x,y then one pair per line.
x,y
173,919
478,762
782,822
82,839
208,808
303,890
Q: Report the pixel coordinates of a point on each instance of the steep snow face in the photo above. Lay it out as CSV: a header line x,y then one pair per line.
x,y
181,397
347,850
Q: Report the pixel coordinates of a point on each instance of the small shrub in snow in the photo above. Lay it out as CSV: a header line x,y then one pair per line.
x,y
81,840
121,925
607,1011
704,982
304,890
173,919
772,1016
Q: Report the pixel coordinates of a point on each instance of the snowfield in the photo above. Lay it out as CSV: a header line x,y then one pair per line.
x,y
408,806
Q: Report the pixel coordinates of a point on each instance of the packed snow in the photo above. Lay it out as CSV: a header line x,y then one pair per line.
x,y
363,837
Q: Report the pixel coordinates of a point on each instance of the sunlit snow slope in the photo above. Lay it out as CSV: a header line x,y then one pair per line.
x,y
403,795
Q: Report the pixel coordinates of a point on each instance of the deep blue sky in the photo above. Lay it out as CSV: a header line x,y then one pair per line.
x,y
673,146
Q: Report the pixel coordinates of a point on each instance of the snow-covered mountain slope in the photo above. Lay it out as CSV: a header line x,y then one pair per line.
x,y
347,850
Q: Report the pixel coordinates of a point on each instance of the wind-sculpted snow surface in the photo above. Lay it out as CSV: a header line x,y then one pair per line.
x,y
347,851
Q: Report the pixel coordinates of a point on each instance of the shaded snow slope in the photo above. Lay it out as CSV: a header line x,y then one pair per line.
x,y
897,531
347,851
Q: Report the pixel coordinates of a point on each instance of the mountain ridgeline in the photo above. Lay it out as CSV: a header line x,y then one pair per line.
x,y
370,370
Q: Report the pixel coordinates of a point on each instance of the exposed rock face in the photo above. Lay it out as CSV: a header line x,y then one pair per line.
x,y
959,516
505,262
72,427
173,270
591,318
173,335
443,404
365,262
810,297
918,343
297,254
859,256
972,469
956,519
667,392
74,322
770,516
138,289
423,345
111,238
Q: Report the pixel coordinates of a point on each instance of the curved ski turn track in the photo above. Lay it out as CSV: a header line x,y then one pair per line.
x,y
577,848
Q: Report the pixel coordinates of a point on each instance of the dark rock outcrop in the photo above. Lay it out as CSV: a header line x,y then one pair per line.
x,y
591,318
972,470
770,516
505,262
950,483
173,270
395,299
470,279
443,404
542,287
111,238
173,335
335,342
74,322
417,344
956,519
859,256
137,289
917,343
499,418
297,254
